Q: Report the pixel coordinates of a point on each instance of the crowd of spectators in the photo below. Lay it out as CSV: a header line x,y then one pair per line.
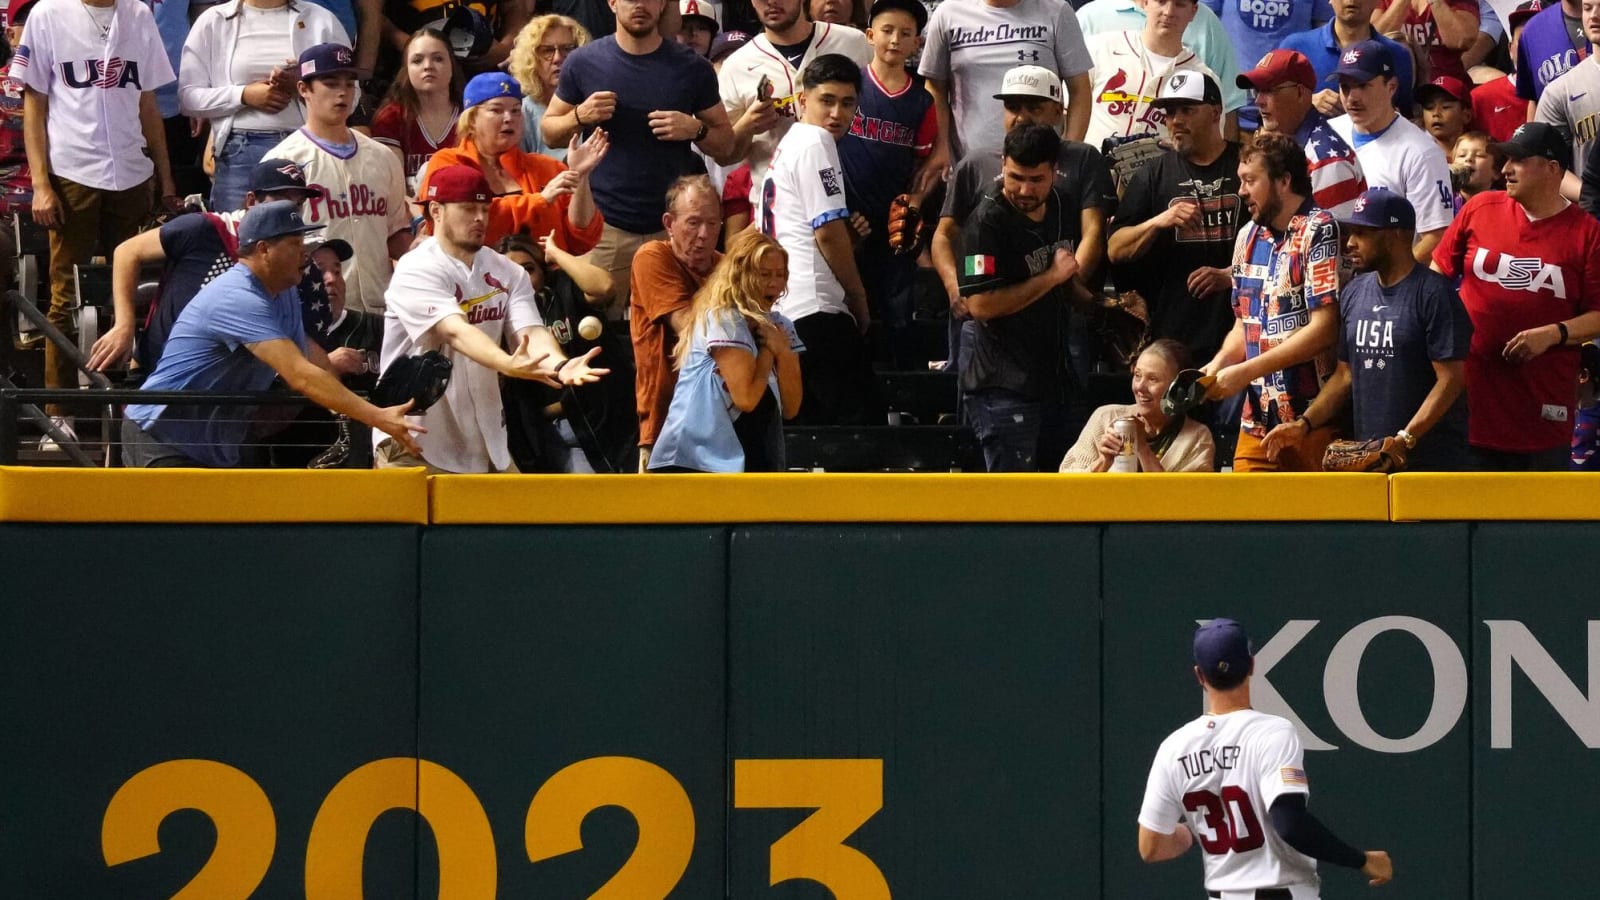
x,y
646,234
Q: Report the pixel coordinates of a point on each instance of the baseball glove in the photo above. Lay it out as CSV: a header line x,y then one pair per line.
x,y
905,226
1377,455
1127,156
1123,326
420,378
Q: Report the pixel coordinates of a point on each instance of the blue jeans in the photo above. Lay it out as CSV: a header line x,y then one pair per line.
x,y
236,161
1017,434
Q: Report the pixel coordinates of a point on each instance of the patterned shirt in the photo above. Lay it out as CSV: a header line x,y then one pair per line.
x,y
1278,279
16,185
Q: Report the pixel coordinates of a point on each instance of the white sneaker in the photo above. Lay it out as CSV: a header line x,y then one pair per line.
x,y
47,444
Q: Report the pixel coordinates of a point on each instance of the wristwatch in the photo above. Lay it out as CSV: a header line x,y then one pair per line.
x,y
705,129
1408,437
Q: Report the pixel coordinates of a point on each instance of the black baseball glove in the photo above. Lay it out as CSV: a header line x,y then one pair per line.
x,y
420,378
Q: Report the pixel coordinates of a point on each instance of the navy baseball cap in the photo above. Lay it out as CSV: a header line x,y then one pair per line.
x,y
912,8
1381,208
265,221
272,176
1363,62
341,248
327,59
1221,649
488,86
1537,139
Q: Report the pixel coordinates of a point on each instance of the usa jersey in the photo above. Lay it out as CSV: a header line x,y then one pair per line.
x,y
890,133
803,191
1219,775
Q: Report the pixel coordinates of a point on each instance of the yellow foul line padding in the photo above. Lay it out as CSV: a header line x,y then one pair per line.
x,y
1450,496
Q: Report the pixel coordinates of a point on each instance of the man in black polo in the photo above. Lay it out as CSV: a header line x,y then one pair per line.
x,y
1017,269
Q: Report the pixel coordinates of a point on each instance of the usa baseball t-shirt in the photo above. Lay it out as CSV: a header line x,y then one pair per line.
x,y
1219,776
467,427
1391,338
93,81
1518,274
359,195
970,46
1406,160
1545,51
1572,102
803,191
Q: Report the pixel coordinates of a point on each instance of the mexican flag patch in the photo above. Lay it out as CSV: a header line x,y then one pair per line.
x,y
980,265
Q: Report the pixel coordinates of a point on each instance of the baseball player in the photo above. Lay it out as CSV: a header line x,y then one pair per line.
x,y
1235,781
358,185
454,295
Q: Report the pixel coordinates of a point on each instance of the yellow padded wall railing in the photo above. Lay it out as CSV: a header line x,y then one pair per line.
x,y
1451,496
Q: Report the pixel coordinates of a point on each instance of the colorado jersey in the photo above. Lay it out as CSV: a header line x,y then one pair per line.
x,y
467,427
803,191
360,196
1219,775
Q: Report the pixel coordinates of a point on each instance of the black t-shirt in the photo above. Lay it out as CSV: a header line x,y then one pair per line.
x,y
1161,274
1024,352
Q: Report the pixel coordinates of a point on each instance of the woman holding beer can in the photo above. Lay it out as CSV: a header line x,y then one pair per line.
x,y
1140,437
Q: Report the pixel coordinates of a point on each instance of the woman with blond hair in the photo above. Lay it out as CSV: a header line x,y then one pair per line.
x,y
532,194
738,368
1162,442
419,115
536,57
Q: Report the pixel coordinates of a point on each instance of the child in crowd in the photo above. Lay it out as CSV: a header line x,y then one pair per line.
x,y
1474,166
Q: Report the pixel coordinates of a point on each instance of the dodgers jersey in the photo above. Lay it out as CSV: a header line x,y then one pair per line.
x,y
803,191
360,196
1219,775
1407,160
467,427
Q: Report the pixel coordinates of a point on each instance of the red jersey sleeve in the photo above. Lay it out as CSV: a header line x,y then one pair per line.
x,y
389,125
927,132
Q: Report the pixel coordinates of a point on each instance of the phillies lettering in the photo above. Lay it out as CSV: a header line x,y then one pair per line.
x,y
1519,273
361,201
115,72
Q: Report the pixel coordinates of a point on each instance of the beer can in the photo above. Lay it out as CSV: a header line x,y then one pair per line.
x,y
1125,460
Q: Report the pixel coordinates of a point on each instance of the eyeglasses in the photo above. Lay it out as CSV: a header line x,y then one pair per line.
x,y
547,51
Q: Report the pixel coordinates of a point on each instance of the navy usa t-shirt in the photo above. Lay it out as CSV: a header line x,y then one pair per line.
x,y
630,184
1391,338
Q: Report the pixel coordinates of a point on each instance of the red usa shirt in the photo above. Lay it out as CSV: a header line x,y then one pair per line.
x,y
1515,275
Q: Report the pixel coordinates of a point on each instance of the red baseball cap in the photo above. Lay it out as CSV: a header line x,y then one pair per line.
x,y
457,184
1523,13
1447,85
15,10
1280,67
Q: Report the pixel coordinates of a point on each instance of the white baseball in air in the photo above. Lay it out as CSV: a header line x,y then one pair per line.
x,y
589,328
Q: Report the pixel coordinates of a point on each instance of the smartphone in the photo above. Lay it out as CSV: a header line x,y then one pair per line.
x,y
764,89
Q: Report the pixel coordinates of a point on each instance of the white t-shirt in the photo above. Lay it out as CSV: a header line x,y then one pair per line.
x,y
1219,776
467,427
1407,160
741,73
1124,82
360,197
804,190
263,45
93,84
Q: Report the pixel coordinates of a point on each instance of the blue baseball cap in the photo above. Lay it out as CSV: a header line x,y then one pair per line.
x,y
265,221
1363,62
327,59
1381,208
488,86
1222,649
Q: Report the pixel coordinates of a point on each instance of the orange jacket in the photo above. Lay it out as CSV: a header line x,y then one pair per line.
x,y
527,212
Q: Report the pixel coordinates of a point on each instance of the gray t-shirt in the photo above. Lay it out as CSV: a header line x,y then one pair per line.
x,y
1082,177
970,45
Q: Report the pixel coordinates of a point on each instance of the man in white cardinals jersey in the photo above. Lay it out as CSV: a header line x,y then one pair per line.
x,y
1235,781
454,295
358,185
773,61
1129,67
802,204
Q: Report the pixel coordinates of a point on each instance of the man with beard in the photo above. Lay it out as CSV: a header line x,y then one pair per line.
x,y
1404,345
1182,209
1285,300
454,295
656,99
1285,86
1017,280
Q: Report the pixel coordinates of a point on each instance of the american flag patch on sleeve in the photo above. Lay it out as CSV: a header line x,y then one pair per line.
x,y
1293,776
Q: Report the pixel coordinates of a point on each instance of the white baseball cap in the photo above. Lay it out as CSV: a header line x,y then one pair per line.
x,y
1030,81
705,9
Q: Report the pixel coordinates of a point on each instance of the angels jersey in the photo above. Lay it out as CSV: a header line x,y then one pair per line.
x,y
803,191
360,196
467,427
1219,775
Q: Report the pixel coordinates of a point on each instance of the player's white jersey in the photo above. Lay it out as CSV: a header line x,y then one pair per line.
x,y
804,190
467,427
361,198
1125,81
1219,775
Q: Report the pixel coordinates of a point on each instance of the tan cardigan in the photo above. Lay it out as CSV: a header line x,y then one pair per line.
x,y
1191,451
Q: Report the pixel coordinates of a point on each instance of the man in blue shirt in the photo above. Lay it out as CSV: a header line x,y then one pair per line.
x,y
1352,24
242,330
1255,27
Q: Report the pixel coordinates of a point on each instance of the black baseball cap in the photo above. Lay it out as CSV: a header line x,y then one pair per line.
x,y
275,176
1222,650
912,8
1537,139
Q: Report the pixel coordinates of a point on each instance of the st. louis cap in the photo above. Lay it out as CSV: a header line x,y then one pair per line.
x,y
1381,208
327,59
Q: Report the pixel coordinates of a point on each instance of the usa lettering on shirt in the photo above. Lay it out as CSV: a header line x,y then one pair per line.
x,y
1519,273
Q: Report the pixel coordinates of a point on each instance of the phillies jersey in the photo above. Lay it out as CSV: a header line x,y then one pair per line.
x,y
359,195
467,427
1219,775
1125,80
803,191
1515,275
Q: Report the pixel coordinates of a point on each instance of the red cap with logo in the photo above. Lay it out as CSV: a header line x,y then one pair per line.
x,y
457,184
1280,67
1444,84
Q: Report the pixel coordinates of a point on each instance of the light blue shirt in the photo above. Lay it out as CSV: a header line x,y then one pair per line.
x,y
1205,36
172,21
532,140
206,352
